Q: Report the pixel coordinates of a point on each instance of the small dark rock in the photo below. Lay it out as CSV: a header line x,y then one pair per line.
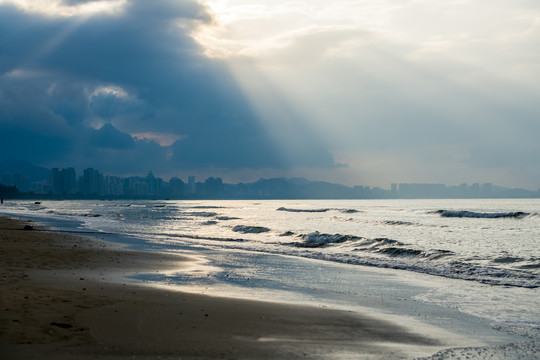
x,y
28,227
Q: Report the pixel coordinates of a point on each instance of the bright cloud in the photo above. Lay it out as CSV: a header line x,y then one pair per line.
x,y
162,139
395,80
66,8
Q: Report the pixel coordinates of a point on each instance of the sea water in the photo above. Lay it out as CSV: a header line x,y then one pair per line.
x,y
485,252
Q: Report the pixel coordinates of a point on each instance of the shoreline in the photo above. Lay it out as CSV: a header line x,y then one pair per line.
x,y
61,299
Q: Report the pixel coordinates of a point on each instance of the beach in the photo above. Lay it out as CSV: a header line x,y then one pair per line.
x,y
54,305
66,296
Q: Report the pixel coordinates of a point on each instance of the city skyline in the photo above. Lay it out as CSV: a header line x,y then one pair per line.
x,y
91,183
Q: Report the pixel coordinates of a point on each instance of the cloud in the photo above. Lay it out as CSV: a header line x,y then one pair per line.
x,y
87,82
67,8
163,139
398,91
442,88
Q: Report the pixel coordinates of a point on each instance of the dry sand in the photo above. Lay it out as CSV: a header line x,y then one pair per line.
x,y
54,304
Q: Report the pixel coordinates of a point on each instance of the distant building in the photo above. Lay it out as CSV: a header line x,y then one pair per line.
x,y
151,184
192,187
56,181
18,180
91,182
21,182
69,177
213,186
63,181
176,186
114,186
41,187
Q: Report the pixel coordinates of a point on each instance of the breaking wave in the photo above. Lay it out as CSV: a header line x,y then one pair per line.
x,y
316,239
250,229
303,210
396,222
209,223
349,211
226,218
344,211
485,215
407,259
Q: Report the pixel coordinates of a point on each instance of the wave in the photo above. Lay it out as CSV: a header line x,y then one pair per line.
x,y
209,222
197,237
400,257
303,210
485,215
73,214
90,215
397,222
225,218
507,260
316,239
406,252
250,229
208,207
349,211
201,213
531,266
384,246
453,269
287,233
344,211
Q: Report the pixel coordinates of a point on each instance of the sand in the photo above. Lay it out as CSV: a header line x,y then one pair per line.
x,y
64,297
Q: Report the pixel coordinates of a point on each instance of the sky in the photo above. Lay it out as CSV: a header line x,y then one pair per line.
x,y
358,92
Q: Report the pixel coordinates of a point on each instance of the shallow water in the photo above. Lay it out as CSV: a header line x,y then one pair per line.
x,y
485,252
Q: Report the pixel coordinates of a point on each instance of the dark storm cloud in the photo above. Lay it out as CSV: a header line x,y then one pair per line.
x,y
137,72
110,137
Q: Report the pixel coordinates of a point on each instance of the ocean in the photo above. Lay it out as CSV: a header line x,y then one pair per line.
x,y
484,252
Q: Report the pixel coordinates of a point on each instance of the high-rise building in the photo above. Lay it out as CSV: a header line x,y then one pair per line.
x,y
92,182
151,183
213,186
57,184
63,181
176,186
69,178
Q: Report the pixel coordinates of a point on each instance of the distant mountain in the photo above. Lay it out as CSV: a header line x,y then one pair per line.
x,y
33,172
501,191
297,188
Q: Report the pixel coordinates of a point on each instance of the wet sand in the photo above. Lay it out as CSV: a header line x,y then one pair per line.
x,y
59,300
